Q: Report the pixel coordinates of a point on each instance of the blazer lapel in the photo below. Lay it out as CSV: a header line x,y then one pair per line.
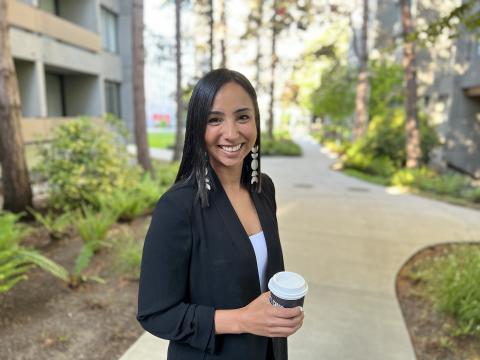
x,y
237,232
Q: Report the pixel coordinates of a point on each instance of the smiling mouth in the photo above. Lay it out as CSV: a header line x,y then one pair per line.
x,y
231,149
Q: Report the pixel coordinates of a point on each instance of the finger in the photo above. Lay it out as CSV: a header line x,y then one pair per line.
x,y
286,312
288,323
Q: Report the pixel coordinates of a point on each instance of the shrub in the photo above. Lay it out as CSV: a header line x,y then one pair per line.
x,y
128,255
280,147
167,173
473,195
83,158
448,184
386,139
410,177
16,260
356,159
453,282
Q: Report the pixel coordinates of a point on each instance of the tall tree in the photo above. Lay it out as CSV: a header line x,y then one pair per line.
x,y
277,11
223,36
413,149
361,102
140,124
254,30
211,24
17,192
178,55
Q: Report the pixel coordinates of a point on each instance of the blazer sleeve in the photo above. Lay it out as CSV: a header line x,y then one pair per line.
x,y
163,307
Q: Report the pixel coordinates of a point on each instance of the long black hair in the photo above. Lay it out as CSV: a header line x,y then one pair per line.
x,y
194,158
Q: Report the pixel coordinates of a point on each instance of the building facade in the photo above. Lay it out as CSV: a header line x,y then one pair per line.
x,y
72,58
448,73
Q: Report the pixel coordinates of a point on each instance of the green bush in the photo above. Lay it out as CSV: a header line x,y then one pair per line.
x,y
410,177
83,158
473,195
280,147
386,139
127,204
166,173
453,282
448,184
128,255
16,260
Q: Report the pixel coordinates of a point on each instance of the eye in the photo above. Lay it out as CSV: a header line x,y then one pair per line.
x,y
244,118
214,121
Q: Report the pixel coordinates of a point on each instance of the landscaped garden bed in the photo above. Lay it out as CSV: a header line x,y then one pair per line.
x,y
439,294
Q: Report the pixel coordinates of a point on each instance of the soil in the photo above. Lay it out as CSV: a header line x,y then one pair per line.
x,y
431,331
42,318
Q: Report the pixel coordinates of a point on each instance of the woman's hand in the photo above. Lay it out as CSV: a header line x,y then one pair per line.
x,y
262,318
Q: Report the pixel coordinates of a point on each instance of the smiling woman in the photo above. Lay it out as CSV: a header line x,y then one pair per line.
x,y
213,241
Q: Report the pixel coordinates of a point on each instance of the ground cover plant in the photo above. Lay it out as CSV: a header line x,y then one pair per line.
x,y
439,295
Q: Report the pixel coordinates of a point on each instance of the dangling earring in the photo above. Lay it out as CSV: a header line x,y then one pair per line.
x,y
254,164
207,180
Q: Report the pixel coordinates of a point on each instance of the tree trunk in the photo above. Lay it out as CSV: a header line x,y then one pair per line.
x,y
17,192
259,43
223,29
179,136
140,124
211,25
413,149
272,70
361,102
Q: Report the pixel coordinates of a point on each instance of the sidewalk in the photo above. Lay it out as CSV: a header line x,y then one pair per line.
x,y
349,239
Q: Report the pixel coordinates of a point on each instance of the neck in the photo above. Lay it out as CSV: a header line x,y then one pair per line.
x,y
229,177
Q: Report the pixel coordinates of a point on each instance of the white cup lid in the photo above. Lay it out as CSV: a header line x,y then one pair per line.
x,y
288,285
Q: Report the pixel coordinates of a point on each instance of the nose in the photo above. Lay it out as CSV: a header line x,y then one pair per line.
x,y
231,130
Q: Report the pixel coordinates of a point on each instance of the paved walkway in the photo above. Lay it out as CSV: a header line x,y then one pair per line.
x,y
349,239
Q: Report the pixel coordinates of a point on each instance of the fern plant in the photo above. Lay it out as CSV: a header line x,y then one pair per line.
x,y
16,260
56,225
92,226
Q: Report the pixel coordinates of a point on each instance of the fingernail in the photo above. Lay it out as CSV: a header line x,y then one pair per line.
x,y
301,308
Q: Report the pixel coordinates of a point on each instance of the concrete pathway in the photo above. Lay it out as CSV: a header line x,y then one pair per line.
x,y
349,239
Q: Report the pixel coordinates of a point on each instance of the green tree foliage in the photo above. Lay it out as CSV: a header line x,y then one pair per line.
x,y
335,98
463,17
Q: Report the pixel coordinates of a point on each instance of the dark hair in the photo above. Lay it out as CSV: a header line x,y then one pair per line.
x,y
194,162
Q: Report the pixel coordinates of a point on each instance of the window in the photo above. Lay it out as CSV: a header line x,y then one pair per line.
x,y
50,6
109,30
112,98
55,95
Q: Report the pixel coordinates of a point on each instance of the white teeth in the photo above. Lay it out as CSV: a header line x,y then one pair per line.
x,y
231,148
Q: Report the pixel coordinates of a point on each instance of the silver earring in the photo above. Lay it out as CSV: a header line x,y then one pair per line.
x,y
254,164
207,180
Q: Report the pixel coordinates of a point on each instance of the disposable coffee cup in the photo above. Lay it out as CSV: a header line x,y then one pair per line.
x,y
287,289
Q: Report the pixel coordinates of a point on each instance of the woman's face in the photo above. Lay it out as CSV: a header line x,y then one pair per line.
x,y
231,130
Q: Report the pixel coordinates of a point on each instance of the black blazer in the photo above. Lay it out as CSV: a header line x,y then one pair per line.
x,y
196,260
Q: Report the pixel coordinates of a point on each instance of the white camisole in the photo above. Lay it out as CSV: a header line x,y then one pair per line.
x,y
260,247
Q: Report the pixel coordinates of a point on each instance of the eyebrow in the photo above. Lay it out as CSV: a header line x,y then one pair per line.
x,y
236,111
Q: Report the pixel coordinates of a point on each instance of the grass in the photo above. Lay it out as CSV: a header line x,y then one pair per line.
x,y
161,140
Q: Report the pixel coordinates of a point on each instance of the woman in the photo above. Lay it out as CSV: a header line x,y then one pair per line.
x,y
213,241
